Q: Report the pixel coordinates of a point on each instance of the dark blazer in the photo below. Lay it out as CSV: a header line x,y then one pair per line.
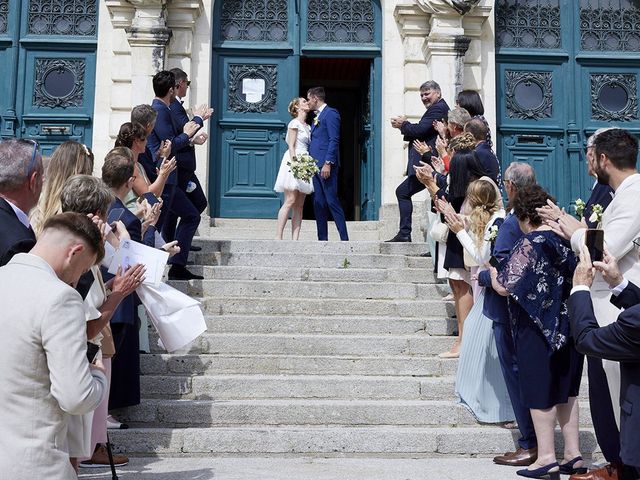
x,y
325,137
619,341
14,236
186,156
489,162
600,194
166,129
424,131
495,305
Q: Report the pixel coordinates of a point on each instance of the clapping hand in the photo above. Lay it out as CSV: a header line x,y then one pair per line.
x,y
165,149
125,283
203,111
441,146
438,164
609,269
454,221
150,213
583,274
167,166
200,139
396,122
190,128
441,128
421,147
444,207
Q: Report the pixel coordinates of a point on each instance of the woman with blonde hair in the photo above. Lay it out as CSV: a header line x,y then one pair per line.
x,y
69,159
298,139
480,382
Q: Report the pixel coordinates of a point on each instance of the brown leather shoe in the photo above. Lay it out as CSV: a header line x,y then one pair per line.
x,y
608,472
519,458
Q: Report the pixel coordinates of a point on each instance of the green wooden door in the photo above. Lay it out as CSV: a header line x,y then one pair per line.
x,y
564,69
257,47
47,50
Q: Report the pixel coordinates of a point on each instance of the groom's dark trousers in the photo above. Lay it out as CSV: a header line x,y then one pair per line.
x,y
325,200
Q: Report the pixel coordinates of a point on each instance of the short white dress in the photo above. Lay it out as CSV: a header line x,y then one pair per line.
x,y
285,179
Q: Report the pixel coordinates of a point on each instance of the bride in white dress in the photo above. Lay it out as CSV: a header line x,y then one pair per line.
x,y
295,191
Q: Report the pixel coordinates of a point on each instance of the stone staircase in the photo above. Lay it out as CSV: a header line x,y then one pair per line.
x,y
312,348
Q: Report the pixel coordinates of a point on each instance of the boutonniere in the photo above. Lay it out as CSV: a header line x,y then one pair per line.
x,y
596,214
493,233
579,206
316,122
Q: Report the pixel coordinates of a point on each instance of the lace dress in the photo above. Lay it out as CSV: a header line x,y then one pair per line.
x,y
285,179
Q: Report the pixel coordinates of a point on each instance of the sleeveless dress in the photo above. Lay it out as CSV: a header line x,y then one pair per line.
x,y
479,381
285,179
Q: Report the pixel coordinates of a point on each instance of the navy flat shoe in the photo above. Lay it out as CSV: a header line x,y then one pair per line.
x,y
569,469
542,472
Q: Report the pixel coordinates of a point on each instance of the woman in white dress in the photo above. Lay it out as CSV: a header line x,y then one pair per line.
x,y
295,191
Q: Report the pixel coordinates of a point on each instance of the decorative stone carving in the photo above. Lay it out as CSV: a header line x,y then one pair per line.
x,y
59,83
340,21
447,7
62,17
240,100
529,95
620,103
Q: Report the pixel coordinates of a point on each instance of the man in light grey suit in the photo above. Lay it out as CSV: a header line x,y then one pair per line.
x,y
44,371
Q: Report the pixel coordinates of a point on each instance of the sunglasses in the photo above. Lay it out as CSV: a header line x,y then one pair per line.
x,y
34,156
188,83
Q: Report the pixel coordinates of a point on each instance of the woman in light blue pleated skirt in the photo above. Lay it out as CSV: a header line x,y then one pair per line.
x,y
479,380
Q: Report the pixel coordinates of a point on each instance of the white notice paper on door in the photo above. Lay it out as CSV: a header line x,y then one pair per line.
x,y
131,253
253,89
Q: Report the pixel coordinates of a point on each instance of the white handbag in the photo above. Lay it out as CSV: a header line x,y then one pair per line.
x,y
439,231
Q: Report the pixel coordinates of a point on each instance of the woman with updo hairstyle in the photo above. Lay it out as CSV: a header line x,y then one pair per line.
x,y
470,100
69,159
134,137
479,382
537,278
295,191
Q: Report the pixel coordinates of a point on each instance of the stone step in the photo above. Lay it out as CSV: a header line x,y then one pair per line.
x,y
306,234
311,260
288,344
270,224
355,324
291,247
315,290
253,364
317,274
199,413
335,387
330,440
338,306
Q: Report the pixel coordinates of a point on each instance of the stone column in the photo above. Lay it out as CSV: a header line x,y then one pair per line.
x,y
148,36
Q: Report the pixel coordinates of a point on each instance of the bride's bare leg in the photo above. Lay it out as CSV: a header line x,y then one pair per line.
x,y
283,213
296,218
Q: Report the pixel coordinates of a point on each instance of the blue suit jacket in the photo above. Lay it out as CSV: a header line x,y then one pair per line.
x,y
186,156
619,341
14,236
423,130
495,306
325,137
489,162
166,129
126,311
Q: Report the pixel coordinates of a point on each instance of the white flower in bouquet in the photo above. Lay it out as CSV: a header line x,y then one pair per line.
x,y
303,167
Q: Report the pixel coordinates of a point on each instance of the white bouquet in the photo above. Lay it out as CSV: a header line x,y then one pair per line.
x,y
303,167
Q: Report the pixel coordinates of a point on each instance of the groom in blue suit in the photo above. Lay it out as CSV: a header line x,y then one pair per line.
x,y
325,148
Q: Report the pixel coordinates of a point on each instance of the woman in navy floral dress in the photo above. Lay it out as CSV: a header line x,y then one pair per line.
x,y
537,279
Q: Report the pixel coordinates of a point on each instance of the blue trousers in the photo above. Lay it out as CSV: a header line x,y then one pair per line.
x,y
507,355
325,200
404,192
179,207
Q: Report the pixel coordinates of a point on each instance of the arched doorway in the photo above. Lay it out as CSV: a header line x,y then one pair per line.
x,y
264,54
564,69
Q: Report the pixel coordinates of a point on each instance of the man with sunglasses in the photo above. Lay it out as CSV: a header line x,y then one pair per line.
x,y
21,177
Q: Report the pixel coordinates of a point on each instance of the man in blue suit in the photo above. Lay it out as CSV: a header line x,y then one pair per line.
x,y
325,149
618,341
175,201
20,186
517,176
437,109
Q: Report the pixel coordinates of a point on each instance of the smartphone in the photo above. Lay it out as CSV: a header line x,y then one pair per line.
x,y
594,240
92,351
150,197
115,214
494,262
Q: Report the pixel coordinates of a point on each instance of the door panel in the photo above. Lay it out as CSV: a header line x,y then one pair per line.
x,y
254,98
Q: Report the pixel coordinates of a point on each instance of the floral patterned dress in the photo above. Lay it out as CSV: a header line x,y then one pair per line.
x,y
538,278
